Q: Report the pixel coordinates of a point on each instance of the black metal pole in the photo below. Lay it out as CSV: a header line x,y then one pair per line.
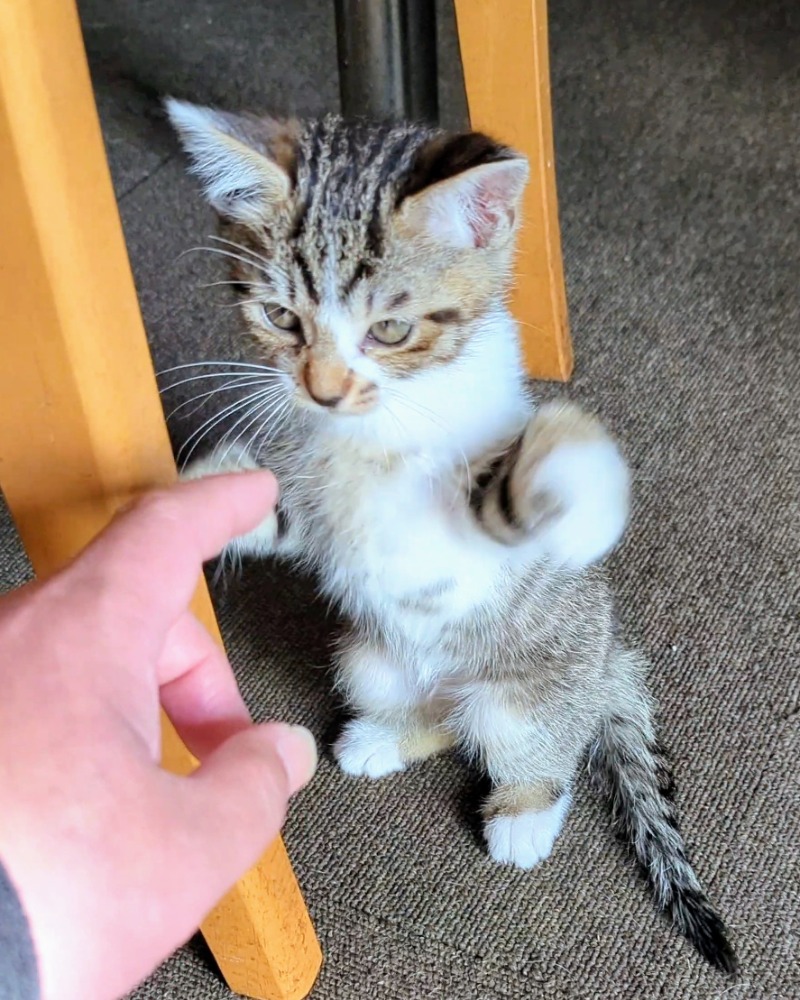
x,y
387,58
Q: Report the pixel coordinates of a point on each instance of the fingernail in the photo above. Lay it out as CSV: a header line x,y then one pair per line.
x,y
298,751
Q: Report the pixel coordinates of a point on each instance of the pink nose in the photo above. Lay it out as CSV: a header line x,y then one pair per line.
x,y
327,385
329,401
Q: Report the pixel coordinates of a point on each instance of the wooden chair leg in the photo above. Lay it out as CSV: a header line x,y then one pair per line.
x,y
504,51
81,426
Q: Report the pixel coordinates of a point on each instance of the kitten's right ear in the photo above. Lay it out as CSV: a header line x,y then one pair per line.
x,y
464,191
244,163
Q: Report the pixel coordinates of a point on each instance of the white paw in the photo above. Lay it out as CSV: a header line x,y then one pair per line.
x,y
219,461
589,482
526,839
366,749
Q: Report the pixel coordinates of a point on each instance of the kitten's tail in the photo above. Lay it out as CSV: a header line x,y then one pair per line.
x,y
627,764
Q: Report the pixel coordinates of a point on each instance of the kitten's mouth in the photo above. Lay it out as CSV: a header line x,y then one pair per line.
x,y
351,402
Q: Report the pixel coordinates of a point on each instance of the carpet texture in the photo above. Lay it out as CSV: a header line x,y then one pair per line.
x,y
678,148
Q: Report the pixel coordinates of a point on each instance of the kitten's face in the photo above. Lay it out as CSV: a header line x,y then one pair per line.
x,y
347,344
367,254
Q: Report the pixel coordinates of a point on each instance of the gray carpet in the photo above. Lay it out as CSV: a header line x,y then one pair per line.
x,y
678,145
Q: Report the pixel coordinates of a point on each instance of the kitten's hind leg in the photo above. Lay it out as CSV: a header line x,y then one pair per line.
x,y
521,822
396,726
531,771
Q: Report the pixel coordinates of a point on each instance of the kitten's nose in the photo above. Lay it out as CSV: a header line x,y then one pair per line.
x,y
327,384
330,401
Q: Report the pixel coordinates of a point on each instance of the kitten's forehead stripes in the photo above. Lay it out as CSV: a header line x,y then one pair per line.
x,y
307,275
363,270
346,177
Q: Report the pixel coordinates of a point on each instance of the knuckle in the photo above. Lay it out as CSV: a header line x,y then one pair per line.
x,y
264,773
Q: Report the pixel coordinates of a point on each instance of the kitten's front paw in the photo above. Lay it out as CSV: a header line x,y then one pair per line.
x,y
526,839
261,540
368,749
220,461
570,485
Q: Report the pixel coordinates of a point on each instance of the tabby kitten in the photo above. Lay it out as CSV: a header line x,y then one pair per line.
x,y
454,522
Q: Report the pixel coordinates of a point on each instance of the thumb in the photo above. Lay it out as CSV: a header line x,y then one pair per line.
x,y
235,802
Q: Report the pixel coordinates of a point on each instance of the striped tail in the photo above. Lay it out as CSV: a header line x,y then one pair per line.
x,y
627,765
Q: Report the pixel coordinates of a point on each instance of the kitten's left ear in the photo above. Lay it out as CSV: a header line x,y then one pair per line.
x,y
464,191
245,163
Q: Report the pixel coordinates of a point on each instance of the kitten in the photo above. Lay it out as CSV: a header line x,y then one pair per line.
x,y
456,524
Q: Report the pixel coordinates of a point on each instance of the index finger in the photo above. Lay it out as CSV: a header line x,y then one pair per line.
x,y
152,554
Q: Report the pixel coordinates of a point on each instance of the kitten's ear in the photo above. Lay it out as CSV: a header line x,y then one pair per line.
x,y
464,191
245,163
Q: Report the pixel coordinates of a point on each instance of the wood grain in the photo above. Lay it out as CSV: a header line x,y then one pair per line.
x,y
504,51
81,426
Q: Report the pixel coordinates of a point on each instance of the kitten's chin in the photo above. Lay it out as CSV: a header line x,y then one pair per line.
x,y
415,434
379,429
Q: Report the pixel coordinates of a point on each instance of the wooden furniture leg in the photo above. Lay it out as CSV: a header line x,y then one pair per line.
x,y
81,427
504,51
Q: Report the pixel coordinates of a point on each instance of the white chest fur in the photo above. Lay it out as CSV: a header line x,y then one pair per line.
x,y
403,542
406,547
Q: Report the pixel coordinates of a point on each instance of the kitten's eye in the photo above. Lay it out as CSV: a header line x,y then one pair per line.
x,y
390,331
280,318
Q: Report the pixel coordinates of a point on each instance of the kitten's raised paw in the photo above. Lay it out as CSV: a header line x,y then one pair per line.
x,y
570,485
526,839
368,749
216,463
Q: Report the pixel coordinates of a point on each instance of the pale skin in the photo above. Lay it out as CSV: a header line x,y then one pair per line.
x,y
116,861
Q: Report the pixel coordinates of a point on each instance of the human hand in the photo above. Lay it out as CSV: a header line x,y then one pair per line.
x,y
115,860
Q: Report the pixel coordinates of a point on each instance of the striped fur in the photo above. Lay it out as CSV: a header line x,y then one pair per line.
x,y
629,766
337,223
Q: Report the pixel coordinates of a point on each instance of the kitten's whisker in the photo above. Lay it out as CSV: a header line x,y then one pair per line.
x,y
233,384
531,326
255,407
239,246
215,418
279,419
399,425
226,253
424,411
217,284
234,380
238,304
217,364
259,409
277,408
264,377
213,421
325,486
275,415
